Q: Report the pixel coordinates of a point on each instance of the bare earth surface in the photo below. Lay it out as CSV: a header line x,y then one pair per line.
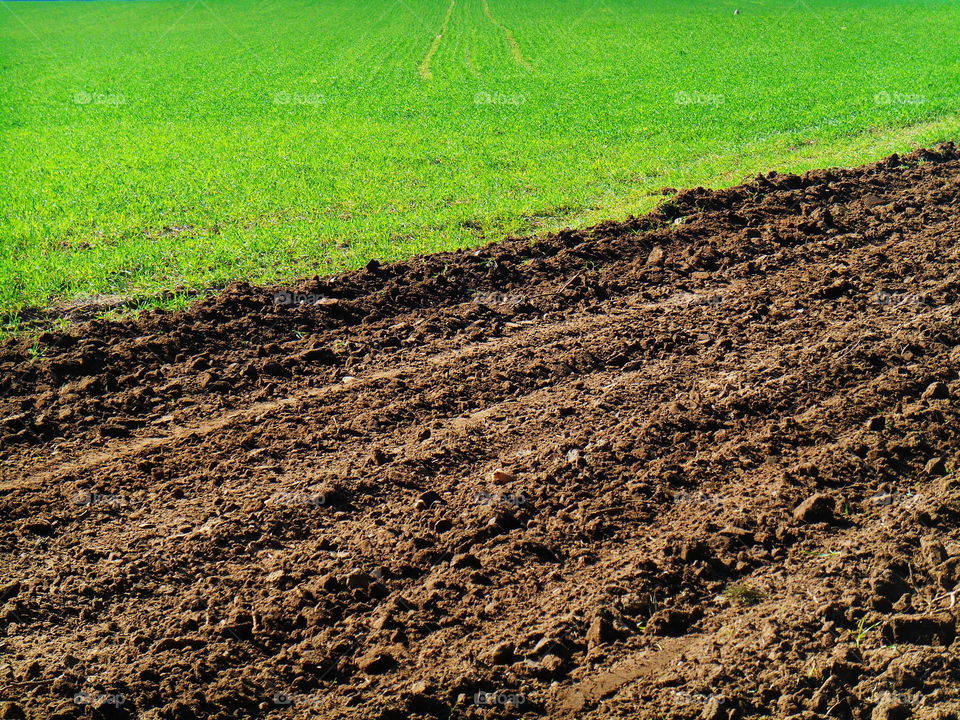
x,y
702,464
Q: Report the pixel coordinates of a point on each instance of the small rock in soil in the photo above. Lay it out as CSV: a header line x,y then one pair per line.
x,y
816,508
551,664
501,477
500,654
376,661
358,579
601,631
427,499
656,257
936,391
936,466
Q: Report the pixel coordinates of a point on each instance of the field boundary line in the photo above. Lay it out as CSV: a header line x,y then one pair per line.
x,y
425,72
515,50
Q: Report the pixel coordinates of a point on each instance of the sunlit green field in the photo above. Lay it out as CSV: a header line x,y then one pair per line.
x,y
179,144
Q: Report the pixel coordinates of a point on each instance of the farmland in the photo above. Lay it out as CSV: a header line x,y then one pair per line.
x,y
474,359
150,150
653,470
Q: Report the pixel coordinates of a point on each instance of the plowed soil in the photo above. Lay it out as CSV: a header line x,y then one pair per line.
x,y
698,464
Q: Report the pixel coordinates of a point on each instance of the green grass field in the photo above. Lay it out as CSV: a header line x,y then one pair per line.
x,y
151,146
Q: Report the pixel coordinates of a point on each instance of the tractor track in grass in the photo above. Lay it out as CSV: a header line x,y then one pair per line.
x,y
696,464
515,51
425,70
